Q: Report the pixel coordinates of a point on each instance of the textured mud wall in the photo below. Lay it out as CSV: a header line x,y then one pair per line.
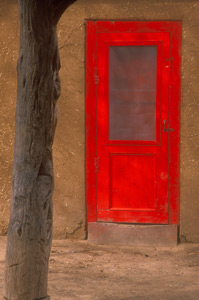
x,y
69,146
9,44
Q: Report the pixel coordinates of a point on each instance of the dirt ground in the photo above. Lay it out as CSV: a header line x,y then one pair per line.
x,y
89,272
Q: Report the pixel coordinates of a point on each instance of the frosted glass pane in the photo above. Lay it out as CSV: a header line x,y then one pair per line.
x,y
132,92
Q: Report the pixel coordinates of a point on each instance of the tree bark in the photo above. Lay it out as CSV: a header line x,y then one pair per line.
x,y
30,227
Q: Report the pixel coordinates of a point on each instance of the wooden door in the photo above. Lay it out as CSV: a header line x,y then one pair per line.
x,y
133,121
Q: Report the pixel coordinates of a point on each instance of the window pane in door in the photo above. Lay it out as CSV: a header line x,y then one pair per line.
x,y
132,92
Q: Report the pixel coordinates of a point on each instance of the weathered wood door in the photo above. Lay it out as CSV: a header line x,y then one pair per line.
x,y
133,93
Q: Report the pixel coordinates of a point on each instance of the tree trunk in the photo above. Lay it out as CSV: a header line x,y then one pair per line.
x,y
30,227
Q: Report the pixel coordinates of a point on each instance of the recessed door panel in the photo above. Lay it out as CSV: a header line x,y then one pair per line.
x,y
133,184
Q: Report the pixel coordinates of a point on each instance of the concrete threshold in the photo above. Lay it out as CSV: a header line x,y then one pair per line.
x,y
133,235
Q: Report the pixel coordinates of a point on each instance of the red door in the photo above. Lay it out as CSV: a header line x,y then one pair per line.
x,y
133,121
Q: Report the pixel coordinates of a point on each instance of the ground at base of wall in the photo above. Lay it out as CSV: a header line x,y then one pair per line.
x,y
89,272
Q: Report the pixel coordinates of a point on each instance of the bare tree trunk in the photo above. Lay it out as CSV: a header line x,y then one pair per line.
x,y
30,227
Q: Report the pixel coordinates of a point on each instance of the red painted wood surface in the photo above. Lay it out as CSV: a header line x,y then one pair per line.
x,y
129,180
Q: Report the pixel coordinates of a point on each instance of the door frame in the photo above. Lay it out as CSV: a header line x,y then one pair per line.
x,y
92,161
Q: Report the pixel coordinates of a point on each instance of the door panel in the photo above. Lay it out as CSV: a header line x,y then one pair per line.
x,y
128,175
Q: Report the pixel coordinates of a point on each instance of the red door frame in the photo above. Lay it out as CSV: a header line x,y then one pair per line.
x,y
92,161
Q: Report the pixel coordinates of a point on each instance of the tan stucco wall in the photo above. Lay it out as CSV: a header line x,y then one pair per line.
x,y
69,146
9,33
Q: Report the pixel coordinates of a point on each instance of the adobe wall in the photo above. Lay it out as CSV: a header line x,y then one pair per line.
x,y
69,146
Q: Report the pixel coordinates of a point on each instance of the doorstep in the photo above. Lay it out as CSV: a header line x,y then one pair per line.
x,y
133,235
